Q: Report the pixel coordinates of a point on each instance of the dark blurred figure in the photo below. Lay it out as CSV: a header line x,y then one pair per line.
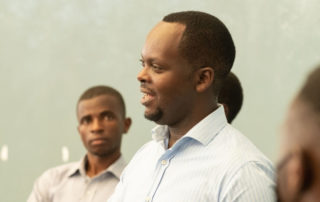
x,y
299,169
231,96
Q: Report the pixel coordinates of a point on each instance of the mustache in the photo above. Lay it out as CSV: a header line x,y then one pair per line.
x,y
144,87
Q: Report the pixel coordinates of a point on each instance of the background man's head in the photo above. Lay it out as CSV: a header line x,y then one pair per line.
x,y
184,53
298,171
231,96
102,120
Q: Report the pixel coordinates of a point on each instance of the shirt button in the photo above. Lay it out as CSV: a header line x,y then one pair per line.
x,y
163,162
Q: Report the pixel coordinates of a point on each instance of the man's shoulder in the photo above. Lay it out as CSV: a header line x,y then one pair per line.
x,y
235,140
235,148
241,149
61,171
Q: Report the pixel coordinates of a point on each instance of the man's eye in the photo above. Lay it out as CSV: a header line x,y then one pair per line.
x,y
142,62
85,121
108,116
156,68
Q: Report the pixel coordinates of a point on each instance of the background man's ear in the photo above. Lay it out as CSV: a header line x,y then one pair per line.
x,y
299,176
127,124
308,170
205,77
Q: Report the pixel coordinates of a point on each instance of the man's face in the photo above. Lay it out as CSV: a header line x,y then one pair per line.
x,y
285,190
298,132
166,78
101,125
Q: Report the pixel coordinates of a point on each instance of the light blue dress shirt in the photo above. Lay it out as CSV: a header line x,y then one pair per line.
x,y
212,162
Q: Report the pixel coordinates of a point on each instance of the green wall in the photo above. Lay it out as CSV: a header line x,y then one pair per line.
x,y
52,50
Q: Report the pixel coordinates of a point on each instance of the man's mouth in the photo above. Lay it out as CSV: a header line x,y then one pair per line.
x,y
98,141
147,97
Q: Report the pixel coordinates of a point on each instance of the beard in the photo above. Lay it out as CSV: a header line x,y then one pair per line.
x,y
155,116
104,151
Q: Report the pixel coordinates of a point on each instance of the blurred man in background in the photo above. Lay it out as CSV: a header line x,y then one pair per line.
x,y
299,168
102,121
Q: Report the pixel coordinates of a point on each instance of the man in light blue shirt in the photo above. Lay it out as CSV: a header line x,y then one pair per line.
x,y
195,155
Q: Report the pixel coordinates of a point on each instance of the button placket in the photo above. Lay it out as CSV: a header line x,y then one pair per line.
x,y
162,166
148,199
164,162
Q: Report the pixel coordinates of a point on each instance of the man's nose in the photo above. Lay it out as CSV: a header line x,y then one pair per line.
x,y
97,126
143,75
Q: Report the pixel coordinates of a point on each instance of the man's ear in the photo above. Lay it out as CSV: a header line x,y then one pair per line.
x,y
308,170
205,77
299,176
127,124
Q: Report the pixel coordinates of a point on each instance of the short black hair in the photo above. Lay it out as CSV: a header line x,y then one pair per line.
x,y
206,42
231,94
96,91
310,92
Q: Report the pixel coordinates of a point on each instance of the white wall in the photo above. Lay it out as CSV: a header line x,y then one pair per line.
x,y
52,50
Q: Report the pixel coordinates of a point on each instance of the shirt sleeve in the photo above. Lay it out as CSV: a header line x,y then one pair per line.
x,y
250,183
40,191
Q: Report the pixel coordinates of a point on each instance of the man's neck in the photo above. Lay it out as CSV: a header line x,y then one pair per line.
x,y
179,130
97,164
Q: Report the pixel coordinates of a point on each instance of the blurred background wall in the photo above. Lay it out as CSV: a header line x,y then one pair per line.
x,y
53,50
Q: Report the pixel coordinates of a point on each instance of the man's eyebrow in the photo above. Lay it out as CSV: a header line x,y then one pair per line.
x,y
106,112
151,59
84,117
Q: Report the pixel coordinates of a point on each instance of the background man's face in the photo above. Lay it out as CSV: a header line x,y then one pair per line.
x,y
287,185
165,77
298,135
101,125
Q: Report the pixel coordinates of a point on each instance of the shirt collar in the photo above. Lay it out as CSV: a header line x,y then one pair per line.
x,y
78,168
207,129
116,168
203,132
160,132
